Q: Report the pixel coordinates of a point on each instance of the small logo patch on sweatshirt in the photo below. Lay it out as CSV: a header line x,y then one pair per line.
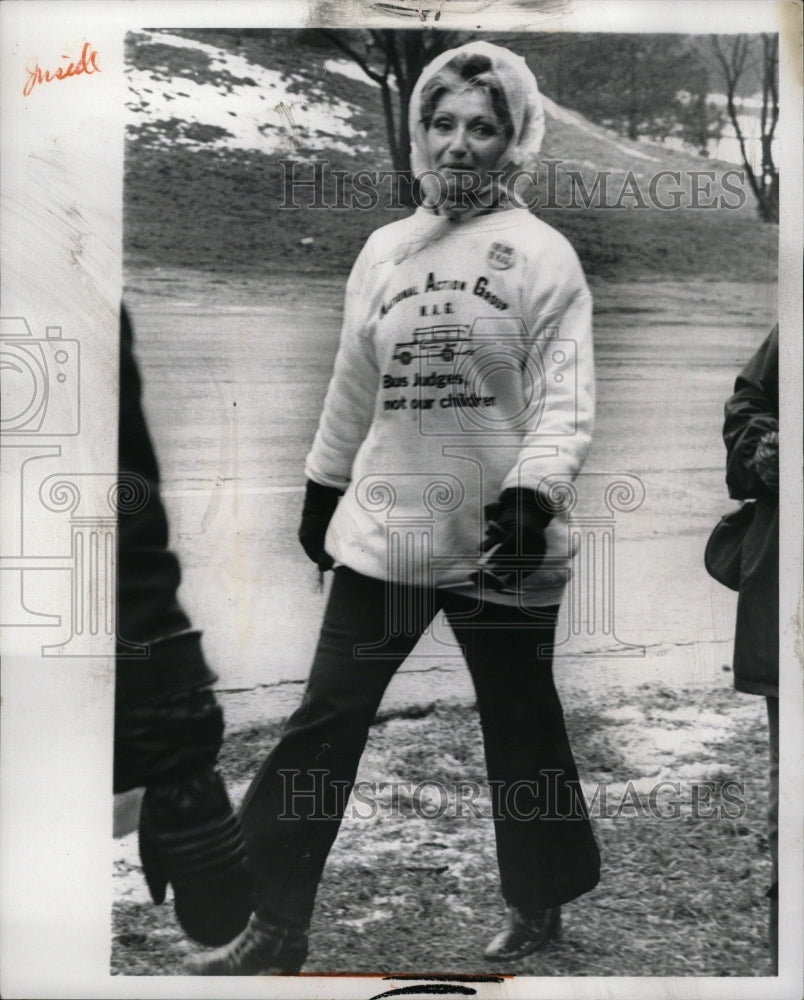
x,y
501,256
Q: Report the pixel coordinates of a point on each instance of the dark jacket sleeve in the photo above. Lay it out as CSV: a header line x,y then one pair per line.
x,y
753,410
167,721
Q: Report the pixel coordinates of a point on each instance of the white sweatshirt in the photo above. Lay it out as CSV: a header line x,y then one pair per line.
x,y
464,369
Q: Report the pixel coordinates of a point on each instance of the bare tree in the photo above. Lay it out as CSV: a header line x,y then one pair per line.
x,y
394,59
738,56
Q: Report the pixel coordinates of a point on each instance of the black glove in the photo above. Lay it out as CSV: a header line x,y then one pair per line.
x,y
188,834
319,506
189,837
514,545
166,738
766,460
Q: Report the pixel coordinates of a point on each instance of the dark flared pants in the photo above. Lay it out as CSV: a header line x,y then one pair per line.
x,y
545,846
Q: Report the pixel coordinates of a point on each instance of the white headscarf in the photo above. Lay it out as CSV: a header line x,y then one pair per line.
x,y
521,97
524,105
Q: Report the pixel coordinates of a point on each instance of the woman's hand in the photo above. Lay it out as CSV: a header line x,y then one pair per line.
x,y
515,544
319,506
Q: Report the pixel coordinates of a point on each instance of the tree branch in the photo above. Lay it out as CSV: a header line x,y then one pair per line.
x,y
393,56
336,39
770,91
732,71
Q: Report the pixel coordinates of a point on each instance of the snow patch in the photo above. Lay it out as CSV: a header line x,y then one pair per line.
x,y
359,923
129,882
262,113
625,713
345,67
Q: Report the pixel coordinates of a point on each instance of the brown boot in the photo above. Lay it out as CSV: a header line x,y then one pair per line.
x,y
263,949
524,934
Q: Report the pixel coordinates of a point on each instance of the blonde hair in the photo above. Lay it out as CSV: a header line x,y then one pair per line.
x,y
467,69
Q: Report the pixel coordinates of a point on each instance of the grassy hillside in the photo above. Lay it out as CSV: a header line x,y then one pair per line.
x,y
213,113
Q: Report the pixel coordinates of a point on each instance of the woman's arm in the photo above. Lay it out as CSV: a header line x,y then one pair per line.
x,y
351,396
556,442
557,438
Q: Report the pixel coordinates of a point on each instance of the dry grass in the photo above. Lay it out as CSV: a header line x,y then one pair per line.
x,y
219,211
678,896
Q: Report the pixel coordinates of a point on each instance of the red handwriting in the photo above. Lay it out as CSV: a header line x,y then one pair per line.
x,y
88,63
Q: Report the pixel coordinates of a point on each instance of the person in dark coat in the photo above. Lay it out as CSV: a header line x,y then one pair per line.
x,y
751,435
168,722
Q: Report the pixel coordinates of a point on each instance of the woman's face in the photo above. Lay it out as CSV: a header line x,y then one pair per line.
x,y
465,138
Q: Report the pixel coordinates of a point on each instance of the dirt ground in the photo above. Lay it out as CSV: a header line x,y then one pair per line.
x,y
679,757
412,887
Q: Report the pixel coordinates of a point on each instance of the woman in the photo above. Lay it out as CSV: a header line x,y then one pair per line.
x,y
459,411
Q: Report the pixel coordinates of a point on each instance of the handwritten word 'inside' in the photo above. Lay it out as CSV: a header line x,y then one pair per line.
x,y
86,64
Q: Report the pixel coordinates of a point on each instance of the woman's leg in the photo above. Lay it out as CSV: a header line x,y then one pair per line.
x,y
292,811
545,846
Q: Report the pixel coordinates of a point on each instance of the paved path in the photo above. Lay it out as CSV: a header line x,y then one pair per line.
x,y
235,371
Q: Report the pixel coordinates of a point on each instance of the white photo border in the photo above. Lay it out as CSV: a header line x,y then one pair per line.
x,y
62,159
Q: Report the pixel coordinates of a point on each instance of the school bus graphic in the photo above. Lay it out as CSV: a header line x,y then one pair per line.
x,y
435,343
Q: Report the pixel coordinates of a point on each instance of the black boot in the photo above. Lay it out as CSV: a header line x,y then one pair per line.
x,y
265,948
524,934
189,837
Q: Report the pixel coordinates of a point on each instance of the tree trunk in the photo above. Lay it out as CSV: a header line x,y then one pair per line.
x,y
766,185
633,108
390,126
403,149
